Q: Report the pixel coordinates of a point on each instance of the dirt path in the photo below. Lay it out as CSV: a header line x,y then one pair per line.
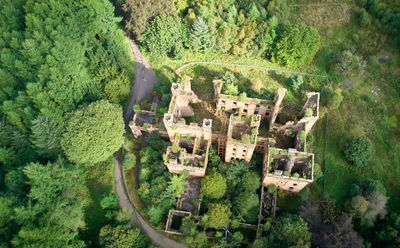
x,y
145,80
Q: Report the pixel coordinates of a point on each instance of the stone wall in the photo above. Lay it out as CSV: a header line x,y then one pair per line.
x,y
239,150
289,183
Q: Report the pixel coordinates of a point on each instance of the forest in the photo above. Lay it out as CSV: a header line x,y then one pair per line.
x,y
66,76
66,73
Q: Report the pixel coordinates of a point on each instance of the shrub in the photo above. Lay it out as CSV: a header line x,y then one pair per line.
x,y
359,151
308,112
364,18
302,135
175,148
229,83
129,161
295,82
346,63
246,138
136,107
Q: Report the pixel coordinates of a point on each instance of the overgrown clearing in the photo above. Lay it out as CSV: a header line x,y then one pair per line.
x,y
370,106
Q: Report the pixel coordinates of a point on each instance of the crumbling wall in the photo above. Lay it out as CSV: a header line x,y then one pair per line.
x,y
289,183
136,129
239,150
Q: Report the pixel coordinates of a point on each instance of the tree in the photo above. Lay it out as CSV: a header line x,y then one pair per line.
x,y
177,183
289,231
295,82
346,62
163,35
246,204
213,185
7,224
93,133
122,236
229,81
15,181
253,13
46,136
296,45
218,215
110,202
200,40
140,13
359,151
53,213
376,208
339,233
357,206
251,181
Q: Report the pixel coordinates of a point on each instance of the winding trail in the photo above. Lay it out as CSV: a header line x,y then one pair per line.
x,y
145,80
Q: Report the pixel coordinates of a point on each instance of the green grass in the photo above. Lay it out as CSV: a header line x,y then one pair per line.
x,y
100,182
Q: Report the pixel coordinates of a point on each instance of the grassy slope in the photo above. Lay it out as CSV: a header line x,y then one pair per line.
x,y
361,110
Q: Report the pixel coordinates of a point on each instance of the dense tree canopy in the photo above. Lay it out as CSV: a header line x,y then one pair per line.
x,y
141,12
54,213
93,133
297,45
122,236
290,231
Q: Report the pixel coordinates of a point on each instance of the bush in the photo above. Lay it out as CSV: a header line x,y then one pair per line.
x,y
359,151
308,112
129,161
229,81
346,63
365,21
175,148
295,82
